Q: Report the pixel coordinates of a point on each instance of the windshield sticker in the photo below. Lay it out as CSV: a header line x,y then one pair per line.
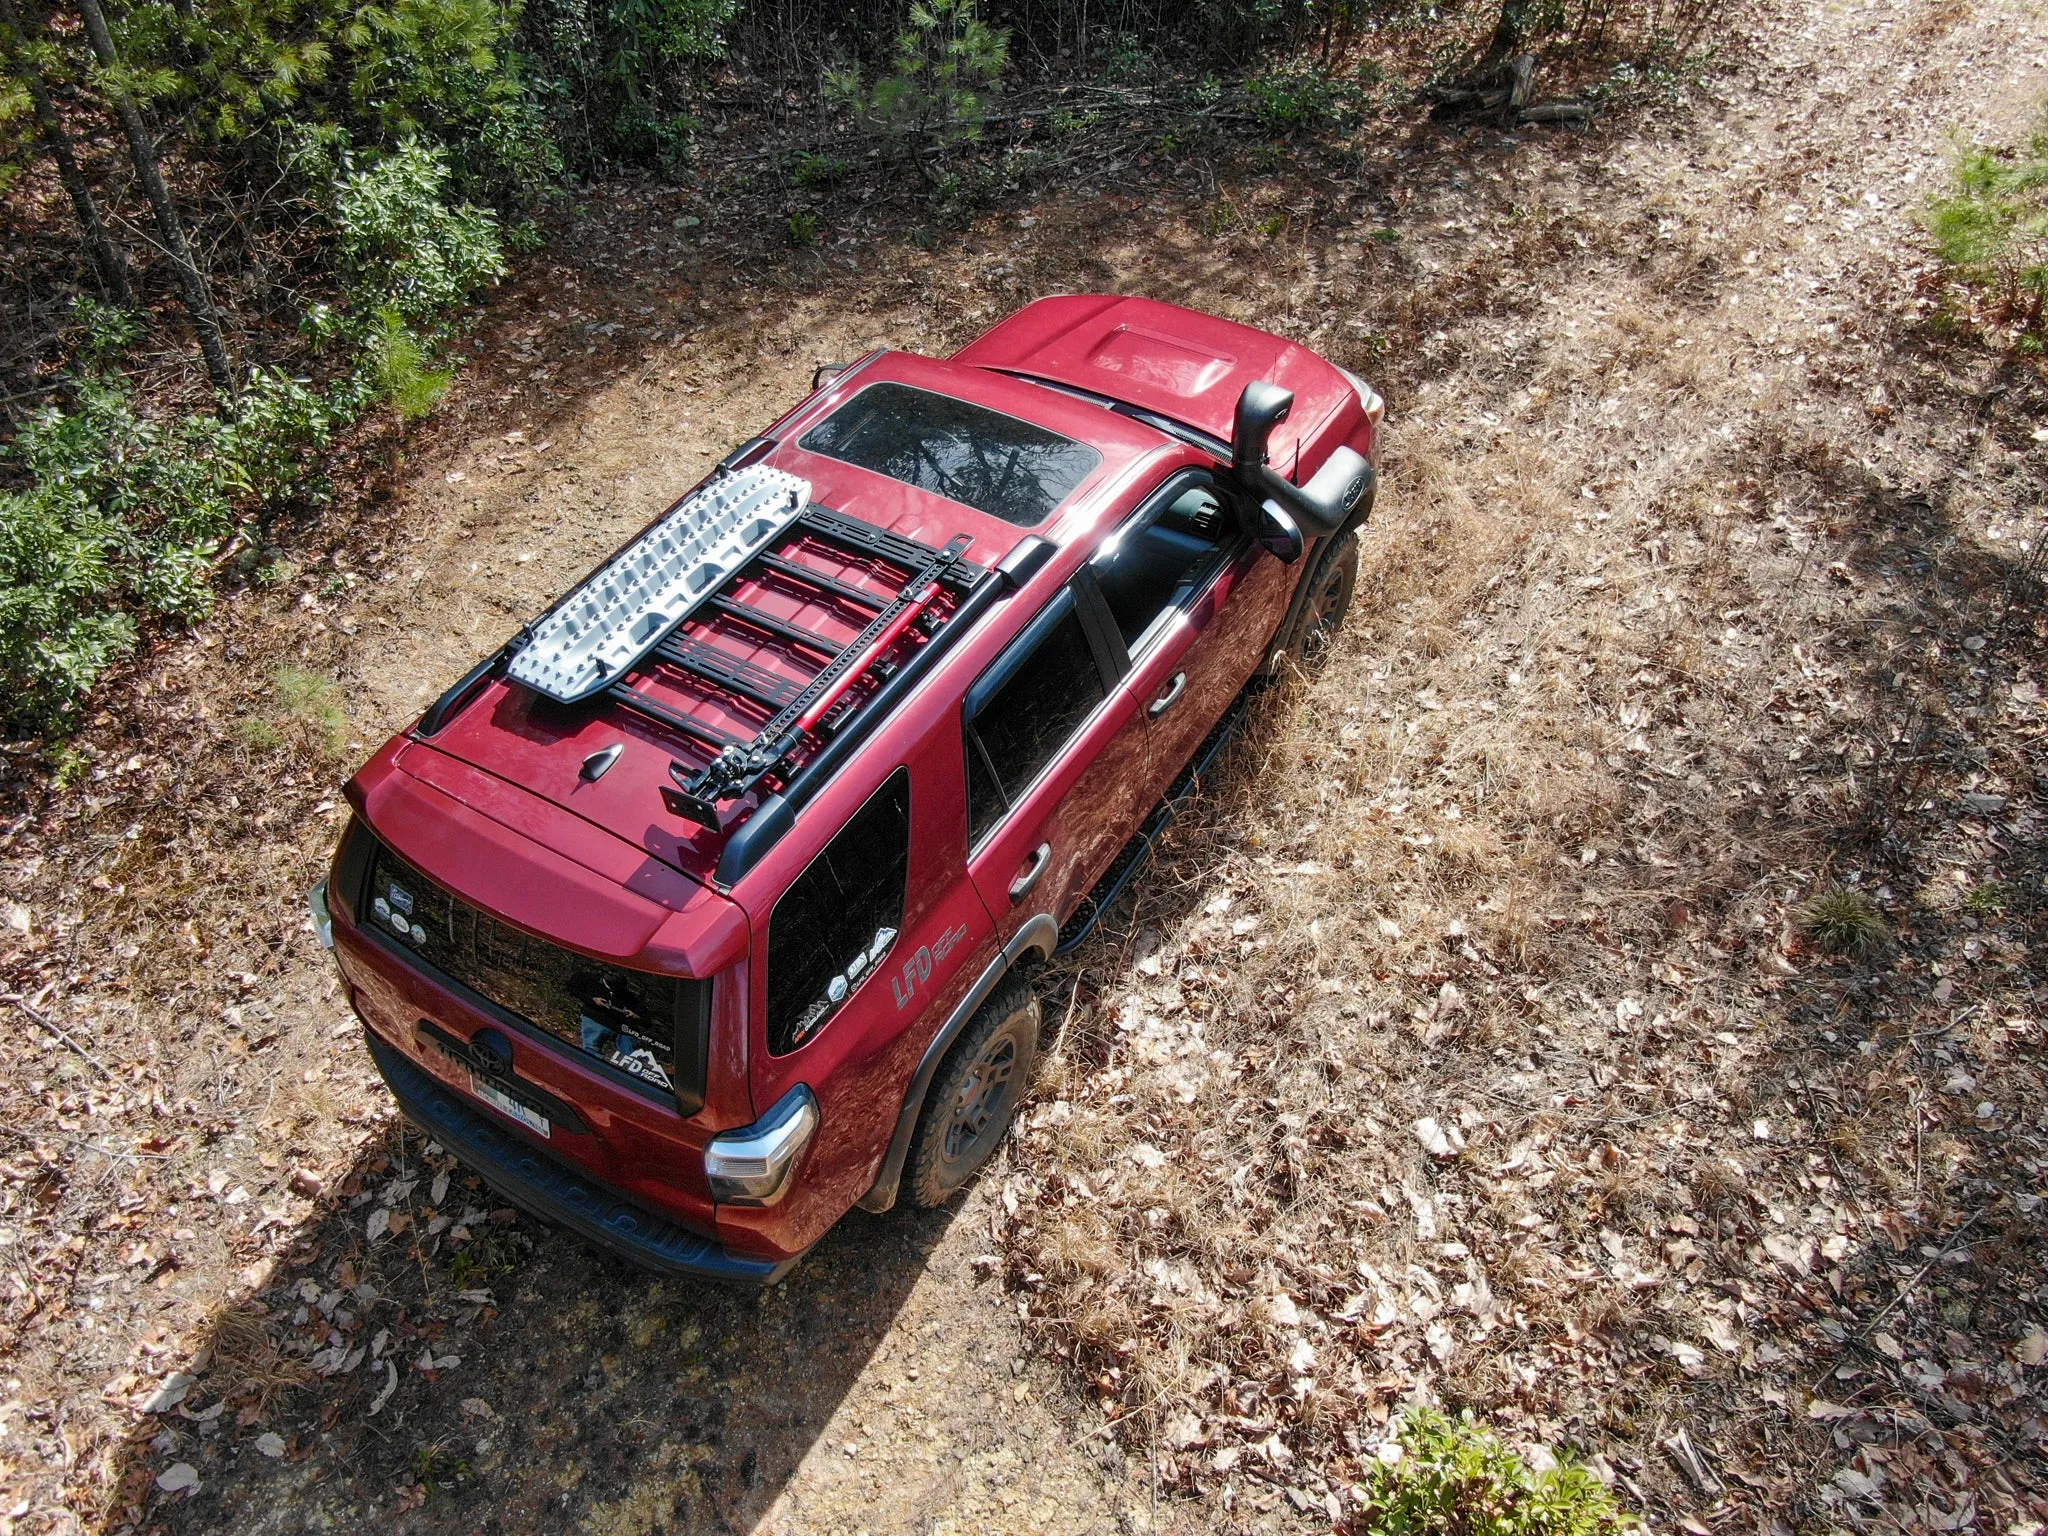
x,y
622,1050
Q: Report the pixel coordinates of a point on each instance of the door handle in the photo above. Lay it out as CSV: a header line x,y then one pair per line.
x,y
1171,697
1028,876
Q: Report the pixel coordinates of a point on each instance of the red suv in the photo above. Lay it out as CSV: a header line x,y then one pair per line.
x,y
705,908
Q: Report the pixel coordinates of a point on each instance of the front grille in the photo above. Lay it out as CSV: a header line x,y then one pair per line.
x,y
650,1028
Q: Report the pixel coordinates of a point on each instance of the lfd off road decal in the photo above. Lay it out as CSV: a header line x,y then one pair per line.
x,y
917,970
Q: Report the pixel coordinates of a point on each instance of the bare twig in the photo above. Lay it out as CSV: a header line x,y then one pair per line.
x,y
32,1137
22,1003
1920,1274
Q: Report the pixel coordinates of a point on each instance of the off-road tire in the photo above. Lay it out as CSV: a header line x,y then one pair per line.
x,y
1329,600
975,1093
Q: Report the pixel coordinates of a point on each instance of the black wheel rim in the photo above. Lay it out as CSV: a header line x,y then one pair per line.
x,y
1325,611
983,1101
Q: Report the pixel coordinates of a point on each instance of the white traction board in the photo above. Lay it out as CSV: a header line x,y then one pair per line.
x,y
624,610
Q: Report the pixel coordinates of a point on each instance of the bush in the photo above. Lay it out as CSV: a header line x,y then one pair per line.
x,y
122,518
1992,232
400,367
404,248
123,514
1450,1475
946,64
1295,99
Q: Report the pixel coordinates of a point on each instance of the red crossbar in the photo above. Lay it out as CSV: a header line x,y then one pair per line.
x,y
808,720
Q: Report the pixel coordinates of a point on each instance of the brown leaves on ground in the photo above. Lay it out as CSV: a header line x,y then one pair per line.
x,y
1606,996
1474,1040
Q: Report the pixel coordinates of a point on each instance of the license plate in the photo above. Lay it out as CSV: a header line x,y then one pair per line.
x,y
505,1104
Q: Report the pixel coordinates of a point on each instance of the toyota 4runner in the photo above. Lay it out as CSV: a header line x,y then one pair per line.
x,y
704,908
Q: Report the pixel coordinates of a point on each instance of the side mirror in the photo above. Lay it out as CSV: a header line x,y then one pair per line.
x,y
1260,409
1279,535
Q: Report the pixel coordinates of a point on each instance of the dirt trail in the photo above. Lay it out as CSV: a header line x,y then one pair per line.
x,y
519,1383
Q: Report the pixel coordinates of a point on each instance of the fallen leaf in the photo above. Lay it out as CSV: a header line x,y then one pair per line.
x,y
169,1394
178,1477
384,1393
271,1444
1436,1140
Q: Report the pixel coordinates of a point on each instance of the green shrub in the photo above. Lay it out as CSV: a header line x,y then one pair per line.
x,y
401,367
404,247
1295,99
1452,1476
815,171
1992,232
122,518
945,67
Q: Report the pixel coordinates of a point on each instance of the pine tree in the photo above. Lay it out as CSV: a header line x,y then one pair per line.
x,y
141,149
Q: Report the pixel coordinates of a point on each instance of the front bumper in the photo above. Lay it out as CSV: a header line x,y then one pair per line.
x,y
556,1192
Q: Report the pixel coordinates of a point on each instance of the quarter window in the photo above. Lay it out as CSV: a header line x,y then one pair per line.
x,y
837,921
1020,726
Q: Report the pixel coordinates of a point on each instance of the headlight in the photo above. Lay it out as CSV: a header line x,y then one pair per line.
x,y
1375,407
752,1166
323,921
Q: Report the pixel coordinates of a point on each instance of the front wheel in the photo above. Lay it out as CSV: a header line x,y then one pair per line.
x,y
975,1094
1335,578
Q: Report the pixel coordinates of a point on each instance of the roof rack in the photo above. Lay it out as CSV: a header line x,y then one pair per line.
x,y
810,711
661,603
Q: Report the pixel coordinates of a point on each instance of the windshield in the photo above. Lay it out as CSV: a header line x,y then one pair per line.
x,y
967,453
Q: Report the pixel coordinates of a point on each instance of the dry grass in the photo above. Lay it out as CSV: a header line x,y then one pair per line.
x,y
1662,630
1479,1042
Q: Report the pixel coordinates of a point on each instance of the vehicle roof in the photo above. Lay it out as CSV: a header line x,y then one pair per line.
x,y
1156,357
514,734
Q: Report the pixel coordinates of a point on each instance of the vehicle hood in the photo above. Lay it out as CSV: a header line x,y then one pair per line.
x,y
1159,357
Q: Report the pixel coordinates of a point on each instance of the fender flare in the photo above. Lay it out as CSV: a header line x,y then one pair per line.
x,y
1318,557
1038,937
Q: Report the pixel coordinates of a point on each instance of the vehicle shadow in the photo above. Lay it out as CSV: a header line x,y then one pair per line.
x,y
478,1371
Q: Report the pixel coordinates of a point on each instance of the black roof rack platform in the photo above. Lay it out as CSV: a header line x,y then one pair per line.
x,y
822,697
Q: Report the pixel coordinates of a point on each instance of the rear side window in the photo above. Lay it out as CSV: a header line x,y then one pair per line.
x,y
981,458
836,922
1014,731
